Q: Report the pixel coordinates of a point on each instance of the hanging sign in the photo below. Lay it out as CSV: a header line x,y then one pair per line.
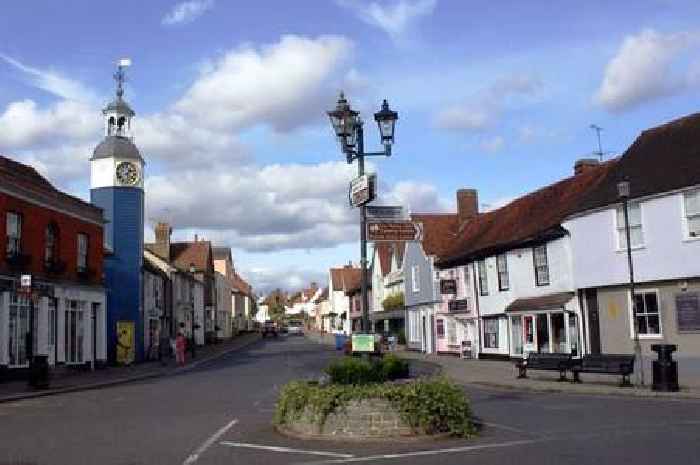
x,y
392,231
363,190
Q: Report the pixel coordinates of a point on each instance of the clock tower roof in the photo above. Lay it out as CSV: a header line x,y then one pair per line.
x,y
117,147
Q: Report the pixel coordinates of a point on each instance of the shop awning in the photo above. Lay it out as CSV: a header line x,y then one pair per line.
x,y
545,302
398,314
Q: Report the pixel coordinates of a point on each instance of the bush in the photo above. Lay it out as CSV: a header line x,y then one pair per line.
x,y
430,406
393,301
349,370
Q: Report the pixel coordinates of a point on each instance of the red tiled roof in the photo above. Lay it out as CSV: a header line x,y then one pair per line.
x,y
439,231
531,218
352,279
198,253
27,181
383,250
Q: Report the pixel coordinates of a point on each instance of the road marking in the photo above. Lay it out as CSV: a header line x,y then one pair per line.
x,y
286,449
372,458
208,443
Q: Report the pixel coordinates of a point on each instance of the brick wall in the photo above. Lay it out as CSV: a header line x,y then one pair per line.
x,y
35,220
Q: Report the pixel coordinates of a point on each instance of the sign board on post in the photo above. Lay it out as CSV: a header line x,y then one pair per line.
x,y
363,190
392,231
363,343
385,213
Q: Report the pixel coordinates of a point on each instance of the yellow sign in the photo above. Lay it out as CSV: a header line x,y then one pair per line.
x,y
125,342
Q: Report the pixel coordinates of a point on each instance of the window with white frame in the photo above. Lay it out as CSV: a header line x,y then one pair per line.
x,y
82,251
415,278
692,213
541,264
635,219
647,315
467,283
13,228
483,278
502,266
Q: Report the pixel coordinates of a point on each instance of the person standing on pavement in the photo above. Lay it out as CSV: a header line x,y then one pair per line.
x,y
180,344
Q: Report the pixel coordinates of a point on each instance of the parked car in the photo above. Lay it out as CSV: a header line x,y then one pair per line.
x,y
295,327
269,328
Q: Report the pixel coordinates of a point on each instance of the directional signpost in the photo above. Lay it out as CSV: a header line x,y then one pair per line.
x,y
392,231
385,213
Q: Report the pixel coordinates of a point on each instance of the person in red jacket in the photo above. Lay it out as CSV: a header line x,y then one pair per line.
x,y
180,346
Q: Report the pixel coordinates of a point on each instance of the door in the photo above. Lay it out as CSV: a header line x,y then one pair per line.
x,y
593,320
529,334
20,307
74,332
424,345
516,334
542,334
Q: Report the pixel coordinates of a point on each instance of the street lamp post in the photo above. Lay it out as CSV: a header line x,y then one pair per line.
x,y
348,127
623,191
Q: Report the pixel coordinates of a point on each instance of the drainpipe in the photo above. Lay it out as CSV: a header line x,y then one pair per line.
x,y
476,307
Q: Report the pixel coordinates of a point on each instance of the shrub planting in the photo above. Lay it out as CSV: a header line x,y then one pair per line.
x,y
351,370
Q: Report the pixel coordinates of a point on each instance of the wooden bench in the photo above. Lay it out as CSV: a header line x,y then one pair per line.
x,y
548,362
605,364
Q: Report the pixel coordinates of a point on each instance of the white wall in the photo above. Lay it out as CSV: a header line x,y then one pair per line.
x,y
666,253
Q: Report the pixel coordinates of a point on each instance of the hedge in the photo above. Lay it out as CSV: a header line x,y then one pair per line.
x,y
350,370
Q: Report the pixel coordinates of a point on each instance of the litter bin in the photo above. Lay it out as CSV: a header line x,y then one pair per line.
x,y
340,339
39,372
665,369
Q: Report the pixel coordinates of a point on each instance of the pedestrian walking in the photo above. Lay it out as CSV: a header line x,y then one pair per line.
x,y
180,345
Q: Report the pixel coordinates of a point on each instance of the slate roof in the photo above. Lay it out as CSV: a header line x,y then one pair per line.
x,y
662,159
439,231
116,147
530,219
25,180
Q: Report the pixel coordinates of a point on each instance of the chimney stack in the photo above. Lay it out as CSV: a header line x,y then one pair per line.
x,y
162,248
467,204
584,164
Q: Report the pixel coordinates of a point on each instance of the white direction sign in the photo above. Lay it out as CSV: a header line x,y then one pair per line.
x,y
385,213
392,231
362,190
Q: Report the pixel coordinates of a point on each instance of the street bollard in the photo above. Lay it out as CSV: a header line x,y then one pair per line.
x,y
665,369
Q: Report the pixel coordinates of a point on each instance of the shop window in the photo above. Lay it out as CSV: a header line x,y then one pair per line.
x,y
491,333
502,266
13,228
483,278
440,328
647,313
634,211
692,213
541,263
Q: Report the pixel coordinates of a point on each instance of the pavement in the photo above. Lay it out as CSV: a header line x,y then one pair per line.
x,y
220,412
68,380
501,374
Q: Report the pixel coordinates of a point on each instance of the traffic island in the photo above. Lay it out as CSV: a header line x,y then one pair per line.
x,y
362,400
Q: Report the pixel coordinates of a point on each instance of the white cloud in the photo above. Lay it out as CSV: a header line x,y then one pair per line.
x,y
186,12
415,197
284,85
647,66
493,144
53,82
483,110
394,18
266,280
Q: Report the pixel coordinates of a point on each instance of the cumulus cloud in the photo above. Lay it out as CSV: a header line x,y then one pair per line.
x,y
284,85
393,18
186,12
415,197
647,66
266,280
483,109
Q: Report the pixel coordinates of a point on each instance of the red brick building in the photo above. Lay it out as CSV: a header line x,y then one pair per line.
x,y
57,239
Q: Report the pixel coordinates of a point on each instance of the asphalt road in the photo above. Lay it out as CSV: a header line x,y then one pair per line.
x,y
220,414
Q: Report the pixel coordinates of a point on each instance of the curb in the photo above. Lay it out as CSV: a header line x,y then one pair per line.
x,y
119,381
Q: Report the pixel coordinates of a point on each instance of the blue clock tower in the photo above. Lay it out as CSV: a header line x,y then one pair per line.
x,y
116,186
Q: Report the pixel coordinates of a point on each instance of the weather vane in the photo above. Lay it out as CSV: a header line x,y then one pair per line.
x,y
120,75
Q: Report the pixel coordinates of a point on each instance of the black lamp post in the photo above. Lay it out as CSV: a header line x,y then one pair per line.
x,y
194,340
348,127
623,192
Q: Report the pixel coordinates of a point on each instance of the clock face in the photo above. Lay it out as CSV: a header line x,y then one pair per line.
x,y
127,173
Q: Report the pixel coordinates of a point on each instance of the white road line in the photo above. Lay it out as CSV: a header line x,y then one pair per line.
x,y
372,458
208,443
285,449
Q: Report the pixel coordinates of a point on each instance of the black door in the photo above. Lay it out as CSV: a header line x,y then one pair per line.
x,y
593,320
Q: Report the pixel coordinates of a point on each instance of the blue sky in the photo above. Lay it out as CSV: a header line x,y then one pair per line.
x,y
230,100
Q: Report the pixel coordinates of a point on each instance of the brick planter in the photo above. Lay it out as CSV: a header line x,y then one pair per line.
x,y
363,419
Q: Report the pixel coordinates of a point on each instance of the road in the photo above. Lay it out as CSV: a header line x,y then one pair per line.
x,y
220,413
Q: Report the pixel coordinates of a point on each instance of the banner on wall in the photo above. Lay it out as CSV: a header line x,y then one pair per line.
x,y
126,348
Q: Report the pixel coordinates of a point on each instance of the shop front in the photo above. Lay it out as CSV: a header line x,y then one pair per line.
x,y
548,324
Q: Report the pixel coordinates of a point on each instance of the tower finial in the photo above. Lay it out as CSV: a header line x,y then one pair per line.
x,y
120,76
